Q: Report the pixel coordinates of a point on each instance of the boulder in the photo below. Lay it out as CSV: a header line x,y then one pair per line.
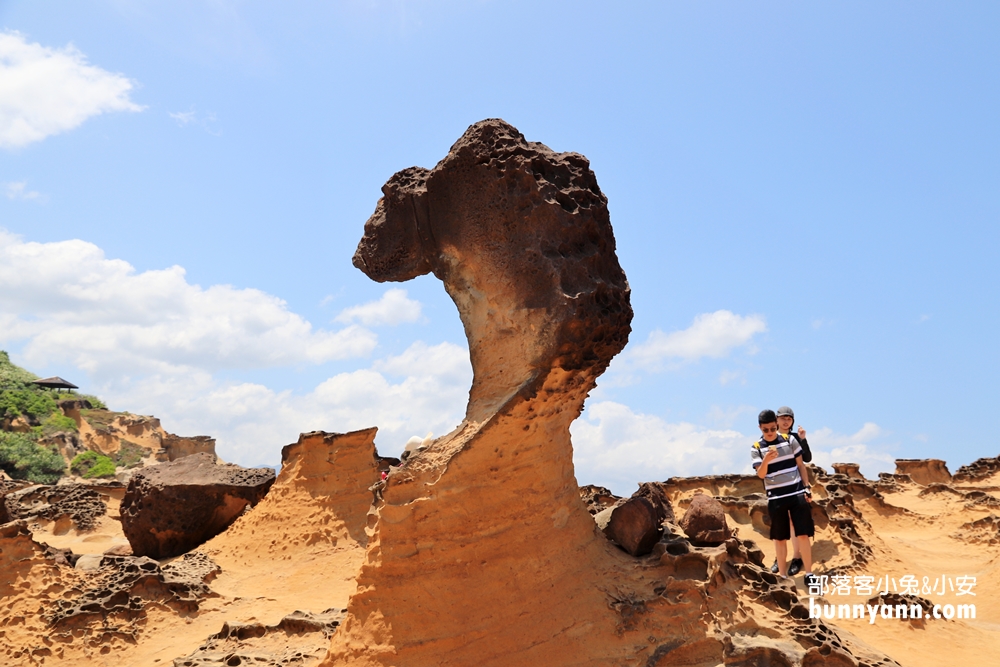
x,y
173,507
704,522
636,524
633,525
656,494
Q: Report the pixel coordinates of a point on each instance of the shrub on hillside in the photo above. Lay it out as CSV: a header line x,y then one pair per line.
x,y
103,467
57,422
23,458
90,464
36,404
129,454
95,402
11,376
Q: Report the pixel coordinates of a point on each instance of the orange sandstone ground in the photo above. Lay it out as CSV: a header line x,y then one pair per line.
x,y
301,549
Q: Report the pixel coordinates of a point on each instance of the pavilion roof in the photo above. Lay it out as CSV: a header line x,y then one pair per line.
x,y
55,382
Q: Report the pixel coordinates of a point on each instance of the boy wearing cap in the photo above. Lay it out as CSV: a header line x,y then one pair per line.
x,y
786,419
779,463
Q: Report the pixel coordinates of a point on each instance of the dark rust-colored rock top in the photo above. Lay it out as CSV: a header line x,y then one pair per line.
x,y
521,237
171,508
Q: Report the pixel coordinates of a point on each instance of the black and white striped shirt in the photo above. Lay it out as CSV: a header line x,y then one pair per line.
x,y
782,478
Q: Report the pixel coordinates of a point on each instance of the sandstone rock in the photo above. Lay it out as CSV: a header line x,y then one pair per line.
x,y
171,508
481,551
123,586
978,470
88,562
75,504
175,446
657,496
924,471
852,470
597,498
119,550
633,524
299,638
521,238
636,524
705,521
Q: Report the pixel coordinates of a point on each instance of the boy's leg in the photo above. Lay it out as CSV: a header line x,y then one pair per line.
x,y
795,543
804,546
781,551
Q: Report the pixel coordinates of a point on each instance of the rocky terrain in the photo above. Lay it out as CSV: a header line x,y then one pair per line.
x,y
480,548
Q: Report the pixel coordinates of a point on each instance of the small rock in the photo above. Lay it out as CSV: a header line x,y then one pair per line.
x,y
89,562
705,521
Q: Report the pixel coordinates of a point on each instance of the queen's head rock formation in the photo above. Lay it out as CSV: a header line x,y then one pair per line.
x,y
521,238
481,550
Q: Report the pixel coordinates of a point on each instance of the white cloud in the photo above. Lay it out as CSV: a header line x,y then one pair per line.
x,y
184,118
19,190
252,422
726,417
45,91
73,304
618,448
712,335
731,376
392,308
862,447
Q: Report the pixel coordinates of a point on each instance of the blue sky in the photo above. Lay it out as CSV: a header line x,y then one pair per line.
x,y
805,199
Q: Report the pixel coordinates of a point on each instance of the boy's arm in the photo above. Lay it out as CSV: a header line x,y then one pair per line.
x,y
765,459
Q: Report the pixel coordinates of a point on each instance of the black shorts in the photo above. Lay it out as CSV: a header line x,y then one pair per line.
x,y
801,511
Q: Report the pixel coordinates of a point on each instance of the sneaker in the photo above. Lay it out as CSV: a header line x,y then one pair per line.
x,y
774,568
812,583
795,567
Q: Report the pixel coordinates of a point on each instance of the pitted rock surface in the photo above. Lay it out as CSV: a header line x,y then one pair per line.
x,y
521,238
978,470
598,498
173,507
124,585
298,639
77,503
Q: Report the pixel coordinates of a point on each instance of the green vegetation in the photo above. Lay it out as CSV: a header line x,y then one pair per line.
x,y
22,457
129,454
32,403
95,402
104,467
91,465
11,376
56,423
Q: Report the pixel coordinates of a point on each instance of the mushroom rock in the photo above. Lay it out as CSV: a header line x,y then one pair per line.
x,y
480,549
924,471
490,516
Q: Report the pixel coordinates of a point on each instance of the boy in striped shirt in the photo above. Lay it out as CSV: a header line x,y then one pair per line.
x,y
779,463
